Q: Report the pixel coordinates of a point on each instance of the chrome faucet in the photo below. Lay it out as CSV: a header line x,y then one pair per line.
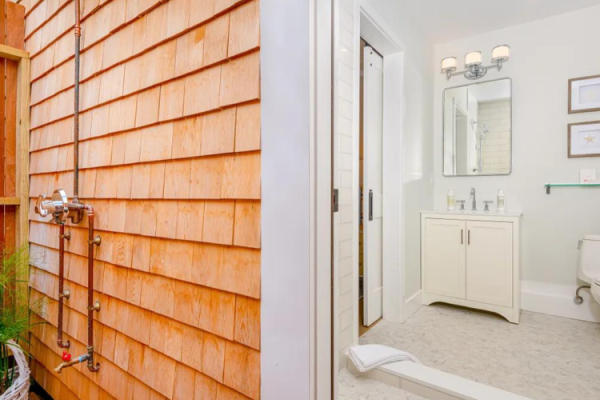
x,y
473,200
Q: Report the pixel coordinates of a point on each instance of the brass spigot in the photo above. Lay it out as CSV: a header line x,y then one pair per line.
x,y
67,364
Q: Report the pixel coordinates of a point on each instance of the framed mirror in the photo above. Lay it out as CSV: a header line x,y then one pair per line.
x,y
478,129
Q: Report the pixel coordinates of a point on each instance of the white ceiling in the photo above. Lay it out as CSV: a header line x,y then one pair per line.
x,y
447,20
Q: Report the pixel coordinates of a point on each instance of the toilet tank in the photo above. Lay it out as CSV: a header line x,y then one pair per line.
x,y
589,258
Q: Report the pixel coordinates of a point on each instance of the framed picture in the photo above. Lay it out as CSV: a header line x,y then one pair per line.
x,y
584,94
584,139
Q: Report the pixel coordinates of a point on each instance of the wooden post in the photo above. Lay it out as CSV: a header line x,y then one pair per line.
x,y
23,101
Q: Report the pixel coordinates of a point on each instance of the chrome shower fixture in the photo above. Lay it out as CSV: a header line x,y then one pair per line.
x,y
473,63
484,128
58,206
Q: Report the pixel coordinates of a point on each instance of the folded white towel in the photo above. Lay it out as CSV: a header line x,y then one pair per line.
x,y
371,356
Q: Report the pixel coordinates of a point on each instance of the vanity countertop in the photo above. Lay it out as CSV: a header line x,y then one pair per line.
x,y
477,213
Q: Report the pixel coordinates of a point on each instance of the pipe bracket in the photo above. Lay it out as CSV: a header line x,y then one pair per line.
x,y
97,241
95,307
66,294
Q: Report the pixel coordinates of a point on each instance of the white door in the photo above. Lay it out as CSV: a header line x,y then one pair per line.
x,y
489,263
444,257
373,185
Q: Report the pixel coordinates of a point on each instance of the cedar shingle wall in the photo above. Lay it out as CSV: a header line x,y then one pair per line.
x,y
170,159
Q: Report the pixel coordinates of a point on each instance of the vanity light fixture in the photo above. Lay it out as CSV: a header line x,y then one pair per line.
x,y
473,63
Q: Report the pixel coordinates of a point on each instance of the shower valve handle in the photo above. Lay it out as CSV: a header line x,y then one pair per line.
x,y
58,206
41,206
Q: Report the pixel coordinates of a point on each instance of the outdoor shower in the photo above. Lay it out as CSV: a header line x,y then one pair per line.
x,y
61,210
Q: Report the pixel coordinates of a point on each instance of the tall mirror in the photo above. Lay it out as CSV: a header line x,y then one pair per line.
x,y
478,129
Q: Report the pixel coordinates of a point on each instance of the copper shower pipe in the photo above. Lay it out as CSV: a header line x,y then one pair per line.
x,y
76,214
61,290
93,367
76,104
91,306
92,241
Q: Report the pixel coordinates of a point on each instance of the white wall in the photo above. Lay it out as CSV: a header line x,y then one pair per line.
x,y
286,185
545,54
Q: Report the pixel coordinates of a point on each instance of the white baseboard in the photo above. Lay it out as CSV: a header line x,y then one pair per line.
x,y
547,298
412,305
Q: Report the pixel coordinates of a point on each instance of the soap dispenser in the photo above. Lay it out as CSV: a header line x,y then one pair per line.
x,y
451,201
501,201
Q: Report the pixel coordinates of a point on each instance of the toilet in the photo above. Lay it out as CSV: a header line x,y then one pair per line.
x,y
589,263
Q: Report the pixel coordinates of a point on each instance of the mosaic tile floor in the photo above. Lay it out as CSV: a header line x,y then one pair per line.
x,y
544,357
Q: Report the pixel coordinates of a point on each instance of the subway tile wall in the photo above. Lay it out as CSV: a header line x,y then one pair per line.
x,y
345,245
495,147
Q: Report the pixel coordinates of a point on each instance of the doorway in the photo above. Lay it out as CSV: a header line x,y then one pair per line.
x,y
388,198
371,188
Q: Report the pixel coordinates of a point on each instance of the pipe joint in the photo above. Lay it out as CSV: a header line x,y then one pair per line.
x,y
89,209
93,367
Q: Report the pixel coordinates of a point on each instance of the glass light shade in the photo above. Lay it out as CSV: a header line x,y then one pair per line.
x,y
501,53
473,58
449,64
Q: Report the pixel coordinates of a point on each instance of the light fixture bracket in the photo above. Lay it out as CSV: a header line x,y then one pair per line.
x,y
475,72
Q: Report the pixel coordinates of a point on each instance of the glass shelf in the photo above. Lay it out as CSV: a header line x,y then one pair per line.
x,y
551,185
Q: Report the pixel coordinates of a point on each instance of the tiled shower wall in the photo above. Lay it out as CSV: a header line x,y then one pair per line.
x,y
495,146
345,224
170,159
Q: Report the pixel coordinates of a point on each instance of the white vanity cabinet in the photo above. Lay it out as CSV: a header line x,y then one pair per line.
x,y
472,260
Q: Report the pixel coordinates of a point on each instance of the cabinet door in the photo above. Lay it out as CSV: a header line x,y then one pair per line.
x,y
445,257
490,262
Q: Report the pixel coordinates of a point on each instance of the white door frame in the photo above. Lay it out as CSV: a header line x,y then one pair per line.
x,y
396,308
296,200
321,200
296,334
